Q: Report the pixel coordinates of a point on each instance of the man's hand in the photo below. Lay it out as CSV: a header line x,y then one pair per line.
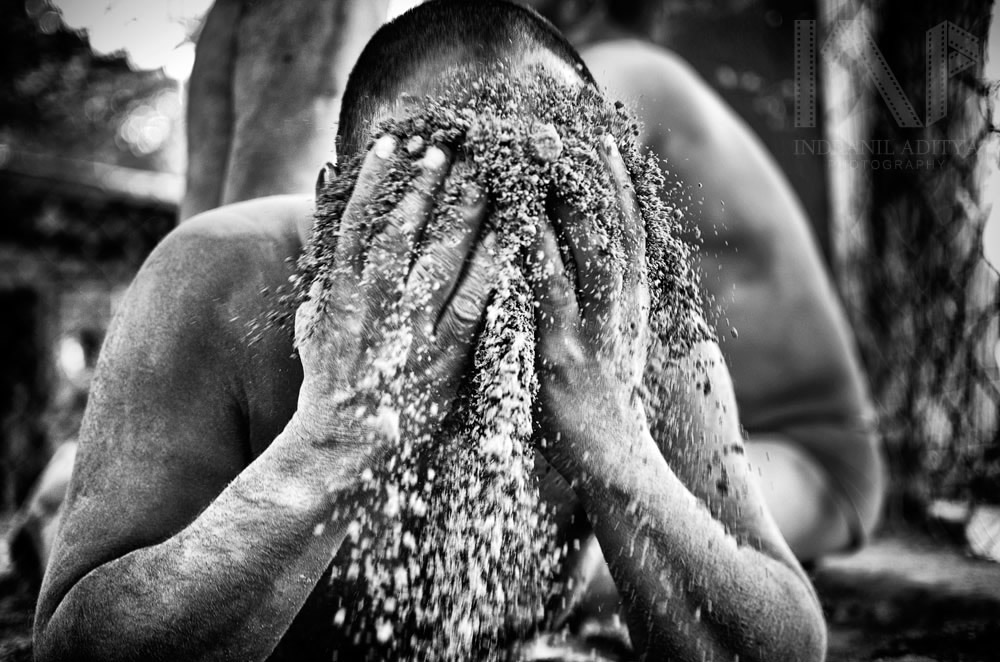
x,y
241,545
374,298
693,557
592,333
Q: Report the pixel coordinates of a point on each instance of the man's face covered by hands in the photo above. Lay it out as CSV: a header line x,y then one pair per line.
x,y
538,176
535,144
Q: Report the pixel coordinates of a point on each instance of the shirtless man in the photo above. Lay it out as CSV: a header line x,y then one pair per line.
x,y
206,464
797,378
801,392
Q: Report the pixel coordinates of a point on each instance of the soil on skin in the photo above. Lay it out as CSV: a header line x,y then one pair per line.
x,y
906,598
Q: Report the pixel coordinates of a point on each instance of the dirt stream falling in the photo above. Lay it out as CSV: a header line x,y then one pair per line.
x,y
454,549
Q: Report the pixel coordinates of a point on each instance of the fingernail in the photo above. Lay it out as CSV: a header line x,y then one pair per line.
x,y
472,194
415,145
608,141
385,146
434,158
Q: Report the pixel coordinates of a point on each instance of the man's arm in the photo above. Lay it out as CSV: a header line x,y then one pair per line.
x,y
169,546
175,545
211,109
796,375
702,569
700,564
280,65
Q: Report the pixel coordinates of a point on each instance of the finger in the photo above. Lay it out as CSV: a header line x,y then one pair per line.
x,y
633,230
555,299
391,250
437,271
635,291
350,240
461,317
597,279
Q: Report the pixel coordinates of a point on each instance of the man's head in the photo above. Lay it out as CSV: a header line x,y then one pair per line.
x,y
408,56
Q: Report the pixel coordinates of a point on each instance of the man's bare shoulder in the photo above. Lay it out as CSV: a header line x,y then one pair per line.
x,y
684,121
671,99
214,277
193,332
230,247
281,220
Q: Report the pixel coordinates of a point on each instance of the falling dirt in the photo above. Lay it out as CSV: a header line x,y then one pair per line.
x,y
454,549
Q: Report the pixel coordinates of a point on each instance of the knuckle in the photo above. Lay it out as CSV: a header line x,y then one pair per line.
x,y
560,356
387,251
466,307
560,295
447,334
432,268
394,234
424,188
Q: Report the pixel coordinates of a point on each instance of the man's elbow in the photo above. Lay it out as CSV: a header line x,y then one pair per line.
x,y
52,637
64,630
803,612
796,631
812,636
784,622
59,640
52,643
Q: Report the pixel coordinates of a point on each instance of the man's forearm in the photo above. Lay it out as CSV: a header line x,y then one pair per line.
x,y
226,586
691,591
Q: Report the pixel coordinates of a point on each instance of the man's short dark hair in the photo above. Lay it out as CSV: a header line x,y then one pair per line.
x,y
470,30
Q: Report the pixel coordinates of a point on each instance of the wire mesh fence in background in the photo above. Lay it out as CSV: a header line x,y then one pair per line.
x,y
924,301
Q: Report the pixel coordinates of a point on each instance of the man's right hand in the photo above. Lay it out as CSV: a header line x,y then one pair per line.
x,y
344,325
163,494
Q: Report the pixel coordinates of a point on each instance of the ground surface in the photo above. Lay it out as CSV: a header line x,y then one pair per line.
x,y
906,598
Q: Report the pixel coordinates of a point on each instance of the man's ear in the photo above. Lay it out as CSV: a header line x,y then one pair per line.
x,y
326,174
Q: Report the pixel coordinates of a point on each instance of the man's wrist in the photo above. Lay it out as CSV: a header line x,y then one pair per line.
x,y
343,451
604,448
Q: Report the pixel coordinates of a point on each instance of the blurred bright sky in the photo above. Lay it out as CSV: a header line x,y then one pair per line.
x,y
153,33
